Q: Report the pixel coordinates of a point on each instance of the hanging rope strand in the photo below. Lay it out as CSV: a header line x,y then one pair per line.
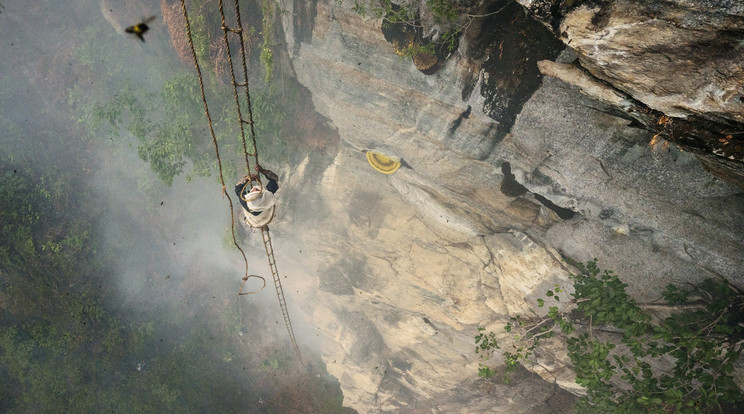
x,y
265,234
226,29
216,149
245,76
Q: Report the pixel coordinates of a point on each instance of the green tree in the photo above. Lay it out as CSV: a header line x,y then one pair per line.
x,y
171,131
453,17
67,343
616,347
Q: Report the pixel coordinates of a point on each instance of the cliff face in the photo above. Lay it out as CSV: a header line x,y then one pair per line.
x,y
680,59
407,266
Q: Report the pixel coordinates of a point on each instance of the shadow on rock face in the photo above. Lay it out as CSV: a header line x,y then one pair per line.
x,y
508,44
509,185
511,188
564,213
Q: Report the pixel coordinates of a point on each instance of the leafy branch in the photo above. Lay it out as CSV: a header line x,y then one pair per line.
x,y
621,371
444,12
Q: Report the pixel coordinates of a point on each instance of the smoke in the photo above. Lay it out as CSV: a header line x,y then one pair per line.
x,y
168,249
174,248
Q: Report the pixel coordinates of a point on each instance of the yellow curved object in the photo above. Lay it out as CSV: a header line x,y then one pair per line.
x,y
382,163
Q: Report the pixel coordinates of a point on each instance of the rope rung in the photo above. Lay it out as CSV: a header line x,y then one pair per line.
x,y
265,234
230,29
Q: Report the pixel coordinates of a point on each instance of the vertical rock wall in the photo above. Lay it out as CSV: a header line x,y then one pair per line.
x,y
407,266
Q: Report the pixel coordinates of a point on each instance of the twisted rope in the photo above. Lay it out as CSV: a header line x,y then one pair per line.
x,y
265,234
217,152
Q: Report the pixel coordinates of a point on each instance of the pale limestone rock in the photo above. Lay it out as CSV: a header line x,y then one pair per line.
x,y
405,333
408,266
681,58
590,85
549,364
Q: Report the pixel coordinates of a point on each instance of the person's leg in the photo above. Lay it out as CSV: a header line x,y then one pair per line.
x,y
238,192
272,186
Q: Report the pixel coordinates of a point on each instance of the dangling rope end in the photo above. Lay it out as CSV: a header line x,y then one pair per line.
x,y
245,279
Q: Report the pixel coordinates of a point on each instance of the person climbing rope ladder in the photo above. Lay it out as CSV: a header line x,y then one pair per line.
x,y
258,201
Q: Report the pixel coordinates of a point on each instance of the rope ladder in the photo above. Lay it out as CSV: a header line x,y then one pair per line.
x,y
265,234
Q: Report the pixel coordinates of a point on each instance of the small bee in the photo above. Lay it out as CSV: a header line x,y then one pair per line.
x,y
140,29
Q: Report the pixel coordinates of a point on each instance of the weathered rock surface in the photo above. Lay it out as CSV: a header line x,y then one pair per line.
x,y
679,57
681,61
409,265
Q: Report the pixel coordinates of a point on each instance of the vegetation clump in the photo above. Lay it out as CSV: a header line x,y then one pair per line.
x,y
402,26
626,360
94,316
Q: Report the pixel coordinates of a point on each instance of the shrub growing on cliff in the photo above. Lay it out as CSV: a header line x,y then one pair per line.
x,y
444,12
616,348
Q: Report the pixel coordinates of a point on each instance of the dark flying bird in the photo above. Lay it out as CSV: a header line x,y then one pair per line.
x,y
140,29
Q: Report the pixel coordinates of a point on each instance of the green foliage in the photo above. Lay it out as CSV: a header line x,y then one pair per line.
x,y
163,144
675,295
445,12
28,235
450,37
95,52
267,32
359,8
417,49
199,36
163,125
267,58
19,217
620,367
276,362
169,126
602,297
58,346
267,106
485,341
66,343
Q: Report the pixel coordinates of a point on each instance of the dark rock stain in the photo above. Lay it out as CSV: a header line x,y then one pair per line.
x,y
511,188
509,185
507,46
564,213
464,115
